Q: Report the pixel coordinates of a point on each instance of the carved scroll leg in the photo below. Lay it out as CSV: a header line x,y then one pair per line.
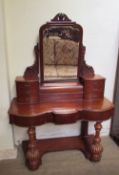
x,y
96,147
32,154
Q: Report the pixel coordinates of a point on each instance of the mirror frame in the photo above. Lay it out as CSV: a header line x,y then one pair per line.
x,y
60,20
36,71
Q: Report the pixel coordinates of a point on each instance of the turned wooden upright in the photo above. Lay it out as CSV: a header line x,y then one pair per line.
x,y
61,100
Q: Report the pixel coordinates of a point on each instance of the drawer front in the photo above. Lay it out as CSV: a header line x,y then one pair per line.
x,y
27,92
94,89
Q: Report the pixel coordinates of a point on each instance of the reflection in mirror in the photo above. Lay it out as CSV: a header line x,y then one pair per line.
x,y
60,53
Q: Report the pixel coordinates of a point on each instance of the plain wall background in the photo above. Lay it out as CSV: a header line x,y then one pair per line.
x,y
23,18
6,137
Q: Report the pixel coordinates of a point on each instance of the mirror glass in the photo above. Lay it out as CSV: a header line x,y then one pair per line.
x,y
60,52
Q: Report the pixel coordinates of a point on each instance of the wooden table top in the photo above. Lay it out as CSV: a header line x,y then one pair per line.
x,y
59,113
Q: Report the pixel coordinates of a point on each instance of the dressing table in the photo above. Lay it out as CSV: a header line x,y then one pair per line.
x,y
60,88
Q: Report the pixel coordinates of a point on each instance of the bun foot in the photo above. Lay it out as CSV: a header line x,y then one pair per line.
x,y
96,152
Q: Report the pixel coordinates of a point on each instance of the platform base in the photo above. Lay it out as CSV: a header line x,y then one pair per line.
x,y
57,144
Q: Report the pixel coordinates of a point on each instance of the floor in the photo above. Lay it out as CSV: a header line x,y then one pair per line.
x,y
67,163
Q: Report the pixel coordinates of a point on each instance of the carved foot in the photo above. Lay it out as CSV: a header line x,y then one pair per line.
x,y
96,147
32,154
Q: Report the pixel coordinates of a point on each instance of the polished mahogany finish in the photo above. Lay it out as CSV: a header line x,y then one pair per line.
x,y
62,100
59,113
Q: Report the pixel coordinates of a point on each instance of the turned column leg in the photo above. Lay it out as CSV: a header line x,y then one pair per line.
x,y
32,154
96,147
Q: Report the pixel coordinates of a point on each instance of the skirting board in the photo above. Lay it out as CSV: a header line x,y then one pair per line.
x,y
8,154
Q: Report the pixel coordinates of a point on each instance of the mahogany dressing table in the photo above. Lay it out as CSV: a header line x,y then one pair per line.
x,y
60,88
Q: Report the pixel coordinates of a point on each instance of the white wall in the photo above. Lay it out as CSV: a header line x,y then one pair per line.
x,y
100,20
6,136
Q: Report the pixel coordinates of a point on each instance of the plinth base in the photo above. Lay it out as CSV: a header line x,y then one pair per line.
x,y
58,144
